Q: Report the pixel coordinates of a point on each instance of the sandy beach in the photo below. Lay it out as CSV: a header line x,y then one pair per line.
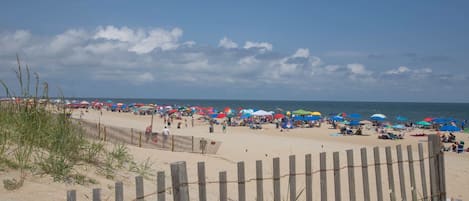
x,y
248,145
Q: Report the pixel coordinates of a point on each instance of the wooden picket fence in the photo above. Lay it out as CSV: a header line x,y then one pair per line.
x,y
136,137
435,159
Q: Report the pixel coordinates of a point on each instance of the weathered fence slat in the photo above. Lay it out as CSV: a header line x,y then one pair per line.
x,y
223,186
379,185
441,161
119,190
336,166
160,186
323,176
132,136
309,178
422,172
410,158
179,181
433,161
400,167
292,177
259,181
276,178
366,183
139,188
351,175
241,182
96,194
201,178
392,193
72,195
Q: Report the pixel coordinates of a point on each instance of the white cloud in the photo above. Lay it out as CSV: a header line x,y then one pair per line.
x,y
262,46
227,43
302,52
358,69
146,77
399,70
123,34
250,60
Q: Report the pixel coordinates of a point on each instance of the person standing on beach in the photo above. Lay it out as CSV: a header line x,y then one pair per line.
x,y
166,134
224,126
192,121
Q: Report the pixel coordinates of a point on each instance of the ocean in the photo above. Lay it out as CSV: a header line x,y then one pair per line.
x,y
413,111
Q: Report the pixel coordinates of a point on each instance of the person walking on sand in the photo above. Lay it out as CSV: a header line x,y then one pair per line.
x,y
166,134
223,126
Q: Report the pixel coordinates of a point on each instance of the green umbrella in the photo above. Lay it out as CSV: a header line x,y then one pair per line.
x,y
423,123
301,112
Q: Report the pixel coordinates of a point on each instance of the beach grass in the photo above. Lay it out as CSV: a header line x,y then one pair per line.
x,y
35,139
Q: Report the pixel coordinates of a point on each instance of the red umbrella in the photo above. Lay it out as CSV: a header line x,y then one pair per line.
x,y
428,119
279,116
221,115
172,111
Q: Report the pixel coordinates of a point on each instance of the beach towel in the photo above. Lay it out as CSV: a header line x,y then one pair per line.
x,y
336,134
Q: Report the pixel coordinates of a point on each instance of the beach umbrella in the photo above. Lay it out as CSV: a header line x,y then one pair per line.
x,y
378,117
337,118
261,113
355,116
109,101
449,128
227,110
316,113
119,104
84,103
301,112
279,116
423,123
245,116
312,118
428,119
401,118
221,115
366,122
354,123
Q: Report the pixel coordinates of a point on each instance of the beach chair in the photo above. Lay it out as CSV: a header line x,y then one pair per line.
x,y
393,136
460,148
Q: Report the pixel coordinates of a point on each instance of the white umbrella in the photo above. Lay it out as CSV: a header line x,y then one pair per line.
x,y
382,116
261,113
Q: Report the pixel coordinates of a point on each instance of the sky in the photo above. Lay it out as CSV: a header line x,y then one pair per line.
x,y
410,51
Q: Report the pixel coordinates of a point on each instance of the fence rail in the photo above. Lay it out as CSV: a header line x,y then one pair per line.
x,y
138,138
180,184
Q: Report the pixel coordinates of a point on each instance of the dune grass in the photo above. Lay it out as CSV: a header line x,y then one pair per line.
x,y
36,139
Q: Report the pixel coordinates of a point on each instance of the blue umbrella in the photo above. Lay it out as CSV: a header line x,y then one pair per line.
x,y
398,126
377,118
354,123
449,128
312,118
337,118
401,118
355,116
245,116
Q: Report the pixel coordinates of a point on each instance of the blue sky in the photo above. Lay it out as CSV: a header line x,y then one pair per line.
x,y
287,50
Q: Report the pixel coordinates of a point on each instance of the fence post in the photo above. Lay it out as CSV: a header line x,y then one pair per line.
x,y
96,194
201,178
192,144
223,187
276,178
379,184
392,192
400,167
292,177
422,173
179,181
161,194
119,190
351,175
366,181
434,164
410,158
105,134
336,166
309,178
323,176
241,182
131,136
72,195
259,181
139,193
140,139
172,143
441,160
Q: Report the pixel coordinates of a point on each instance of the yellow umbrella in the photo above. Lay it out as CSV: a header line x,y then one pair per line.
x,y
316,113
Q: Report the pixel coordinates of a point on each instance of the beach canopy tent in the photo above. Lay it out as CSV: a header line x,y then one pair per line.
x,y
449,128
401,118
443,120
245,116
261,113
316,113
306,118
423,123
354,116
301,112
378,117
